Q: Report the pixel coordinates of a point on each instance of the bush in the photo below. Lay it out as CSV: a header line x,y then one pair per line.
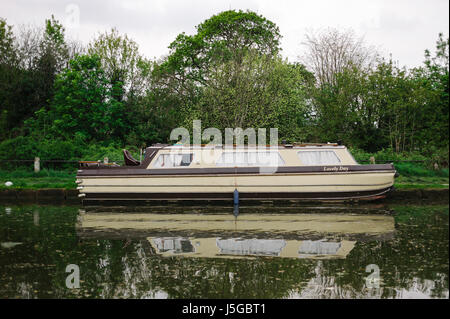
x,y
438,156
18,148
413,169
113,152
389,155
27,148
360,155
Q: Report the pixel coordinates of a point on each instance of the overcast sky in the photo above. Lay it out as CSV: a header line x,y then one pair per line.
x,y
403,28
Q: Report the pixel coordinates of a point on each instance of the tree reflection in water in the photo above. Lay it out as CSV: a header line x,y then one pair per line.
x,y
273,255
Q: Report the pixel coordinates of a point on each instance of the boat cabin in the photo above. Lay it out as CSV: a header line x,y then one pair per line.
x,y
178,156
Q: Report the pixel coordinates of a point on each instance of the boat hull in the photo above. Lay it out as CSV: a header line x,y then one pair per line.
x,y
301,196
301,185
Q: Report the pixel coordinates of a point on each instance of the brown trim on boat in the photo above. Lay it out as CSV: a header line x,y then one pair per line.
x,y
129,160
372,194
139,170
218,185
240,186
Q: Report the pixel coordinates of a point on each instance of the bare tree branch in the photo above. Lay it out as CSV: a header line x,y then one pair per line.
x,y
330,51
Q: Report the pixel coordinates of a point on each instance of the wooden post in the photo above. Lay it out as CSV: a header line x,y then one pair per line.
x,y
37,164
36,218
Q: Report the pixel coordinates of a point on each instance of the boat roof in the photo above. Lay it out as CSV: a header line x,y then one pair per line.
x,y
277,147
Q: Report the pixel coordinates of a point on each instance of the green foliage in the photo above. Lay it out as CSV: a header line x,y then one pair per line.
x,y
386,155
8,52
22,173
27,148
57,105
45,179
372,110
229,74
259,92
434,156
435,81
413,169
84,104
342,112
28,68
22,178
112,152
120,60
9,78
21,147
437,156
225,36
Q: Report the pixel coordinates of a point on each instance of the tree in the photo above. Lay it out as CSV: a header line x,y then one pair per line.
x,y
261,91
8,50
331,52
400,102
120,59
372,109
127,73
434,77
29,41
223,37
83,104
28,71
54,47
338,111
53,57
8,61
177,84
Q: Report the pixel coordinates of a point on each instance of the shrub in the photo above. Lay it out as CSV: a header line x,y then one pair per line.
x,y
20,147
417,170
360,155
389,155
113,152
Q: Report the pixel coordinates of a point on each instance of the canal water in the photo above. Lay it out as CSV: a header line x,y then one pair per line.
x,y
218,252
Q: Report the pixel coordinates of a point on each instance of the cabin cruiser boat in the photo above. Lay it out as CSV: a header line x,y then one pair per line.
x,y
318,172
248,248
309,233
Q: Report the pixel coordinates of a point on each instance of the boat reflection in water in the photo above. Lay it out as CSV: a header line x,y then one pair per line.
x,y
256,232
238,247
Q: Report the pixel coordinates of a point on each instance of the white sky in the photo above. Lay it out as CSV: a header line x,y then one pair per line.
x,y
403,28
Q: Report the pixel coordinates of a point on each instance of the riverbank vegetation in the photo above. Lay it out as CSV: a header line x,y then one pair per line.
x,y
46,178
412,175
62,100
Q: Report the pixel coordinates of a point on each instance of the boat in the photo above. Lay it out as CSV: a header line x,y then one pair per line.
x,y
206,232
248,248
305,172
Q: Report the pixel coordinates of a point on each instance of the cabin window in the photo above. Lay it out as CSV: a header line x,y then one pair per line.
x,y
250,159
173,245
173,160
318,247
318,157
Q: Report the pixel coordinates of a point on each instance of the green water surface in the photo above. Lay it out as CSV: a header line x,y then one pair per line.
x,y
39,242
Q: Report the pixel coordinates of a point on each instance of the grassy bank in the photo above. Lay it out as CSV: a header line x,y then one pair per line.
x,y
416,176
44,179
412,175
